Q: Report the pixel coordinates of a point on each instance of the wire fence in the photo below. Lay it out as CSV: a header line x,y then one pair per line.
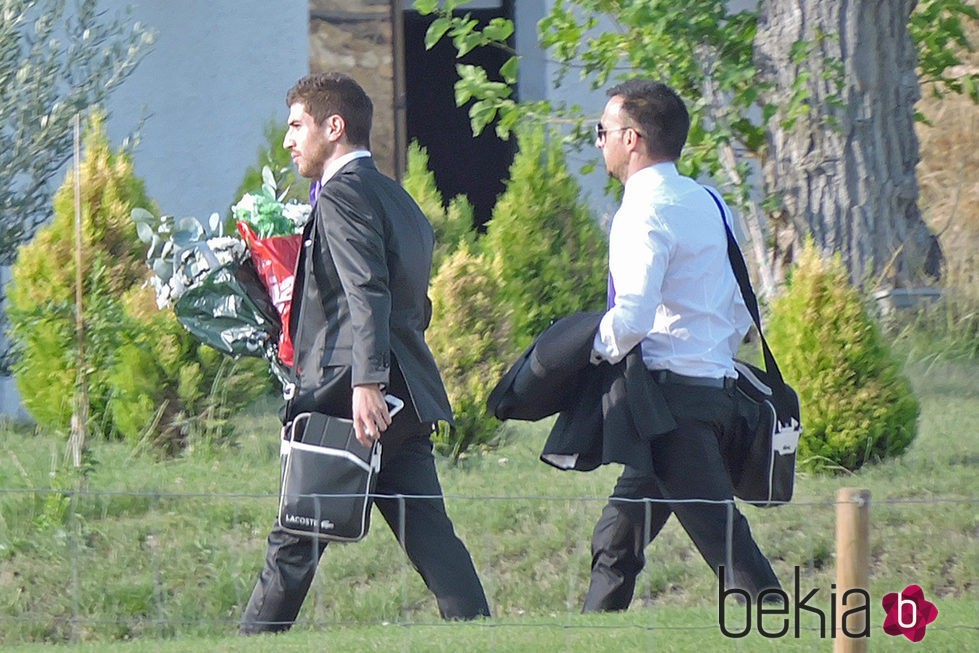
x,y
109,565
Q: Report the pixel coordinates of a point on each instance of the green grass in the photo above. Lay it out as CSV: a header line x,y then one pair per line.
x,y
161,555
667,629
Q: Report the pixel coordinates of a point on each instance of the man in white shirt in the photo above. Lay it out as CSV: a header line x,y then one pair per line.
x,y
672,292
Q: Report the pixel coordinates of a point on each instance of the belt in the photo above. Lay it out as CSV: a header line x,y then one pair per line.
x,y
669,377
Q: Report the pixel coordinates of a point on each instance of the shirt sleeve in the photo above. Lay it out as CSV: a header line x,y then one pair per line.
x,y
639,252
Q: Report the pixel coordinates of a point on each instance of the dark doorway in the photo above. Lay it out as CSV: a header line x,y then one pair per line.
x,y
463,164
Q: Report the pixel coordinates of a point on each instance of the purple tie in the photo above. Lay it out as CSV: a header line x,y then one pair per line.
x,y
610,301
314,191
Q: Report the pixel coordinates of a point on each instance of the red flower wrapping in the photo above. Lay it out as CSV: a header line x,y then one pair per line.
x,y
275,259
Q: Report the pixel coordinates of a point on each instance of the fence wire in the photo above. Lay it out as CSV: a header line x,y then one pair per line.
x,y
127,577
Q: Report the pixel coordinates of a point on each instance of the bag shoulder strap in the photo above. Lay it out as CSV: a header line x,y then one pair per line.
x,y
750,300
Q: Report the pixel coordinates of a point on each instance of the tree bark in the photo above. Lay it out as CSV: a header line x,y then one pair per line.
x,y
842,154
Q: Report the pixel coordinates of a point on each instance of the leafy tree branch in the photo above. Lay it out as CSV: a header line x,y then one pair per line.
x,y
54,63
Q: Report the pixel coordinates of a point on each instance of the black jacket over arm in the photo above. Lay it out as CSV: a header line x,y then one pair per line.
x,y
606,413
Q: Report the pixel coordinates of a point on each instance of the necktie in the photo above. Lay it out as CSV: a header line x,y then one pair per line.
x,y
610,301
314,191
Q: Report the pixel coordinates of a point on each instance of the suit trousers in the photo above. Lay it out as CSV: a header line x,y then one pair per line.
x,y
421,525
688,464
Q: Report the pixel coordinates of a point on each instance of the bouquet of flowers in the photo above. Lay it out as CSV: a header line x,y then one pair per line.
x,y
230,292
272,229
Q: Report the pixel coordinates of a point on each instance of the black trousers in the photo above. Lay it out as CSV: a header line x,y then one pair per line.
x,y
422,526
688,464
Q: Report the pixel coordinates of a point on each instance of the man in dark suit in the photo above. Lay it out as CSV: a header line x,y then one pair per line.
x,y
359,314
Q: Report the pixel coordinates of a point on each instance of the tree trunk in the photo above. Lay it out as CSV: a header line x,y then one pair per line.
x,y
842,149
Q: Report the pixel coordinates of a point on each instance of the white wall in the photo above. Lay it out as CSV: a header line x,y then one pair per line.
x,y
537,76
218,72
10,405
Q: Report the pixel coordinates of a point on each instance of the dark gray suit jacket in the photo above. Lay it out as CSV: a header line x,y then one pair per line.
x,y
362,290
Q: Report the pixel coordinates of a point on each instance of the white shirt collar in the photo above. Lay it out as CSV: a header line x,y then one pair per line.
x,y
653,173
336,164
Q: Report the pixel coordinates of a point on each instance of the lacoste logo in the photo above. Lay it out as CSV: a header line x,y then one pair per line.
x,y
309,522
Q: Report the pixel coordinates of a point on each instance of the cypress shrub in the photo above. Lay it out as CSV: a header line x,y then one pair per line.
x,y
42,292
857,406
542,257
471,337
419,181
146,378
168,390
550,254
453,225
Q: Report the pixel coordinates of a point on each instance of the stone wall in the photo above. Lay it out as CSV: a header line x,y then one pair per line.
x,y
356,37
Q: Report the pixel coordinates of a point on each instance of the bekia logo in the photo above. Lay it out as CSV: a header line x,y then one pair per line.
x,y
908,613
776,613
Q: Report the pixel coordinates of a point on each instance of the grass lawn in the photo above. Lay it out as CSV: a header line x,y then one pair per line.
x,y
665,629
161,555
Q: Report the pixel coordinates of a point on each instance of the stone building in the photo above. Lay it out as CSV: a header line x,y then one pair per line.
x,y
381,44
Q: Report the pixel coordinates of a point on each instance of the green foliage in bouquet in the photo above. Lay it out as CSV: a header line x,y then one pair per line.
x,y
453,225
135,356
266,216
167,236
857,406
268,212
471,336
551,254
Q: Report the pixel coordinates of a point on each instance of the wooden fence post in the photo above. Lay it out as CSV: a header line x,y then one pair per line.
x,y
852,568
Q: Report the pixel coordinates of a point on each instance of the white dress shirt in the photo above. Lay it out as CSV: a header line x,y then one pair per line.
x,y
675,291
333,166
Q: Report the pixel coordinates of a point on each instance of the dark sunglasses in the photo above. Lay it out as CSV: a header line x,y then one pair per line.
x,y
601,131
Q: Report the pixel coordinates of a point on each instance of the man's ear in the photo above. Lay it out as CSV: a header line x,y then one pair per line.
x,y
634,141
335,127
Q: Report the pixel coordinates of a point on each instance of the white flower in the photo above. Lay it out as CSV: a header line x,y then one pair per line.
x,y
179,267
297,213
245,208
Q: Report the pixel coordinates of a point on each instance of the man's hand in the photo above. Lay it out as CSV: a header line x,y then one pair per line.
x,y
370,412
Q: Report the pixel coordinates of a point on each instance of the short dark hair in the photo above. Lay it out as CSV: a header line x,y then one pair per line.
x,y
329,94
659,113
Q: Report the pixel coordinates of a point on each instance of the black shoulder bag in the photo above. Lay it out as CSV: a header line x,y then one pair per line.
x,y
772,421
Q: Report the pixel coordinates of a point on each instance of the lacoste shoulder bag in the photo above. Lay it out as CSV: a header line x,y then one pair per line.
x,y
328,479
